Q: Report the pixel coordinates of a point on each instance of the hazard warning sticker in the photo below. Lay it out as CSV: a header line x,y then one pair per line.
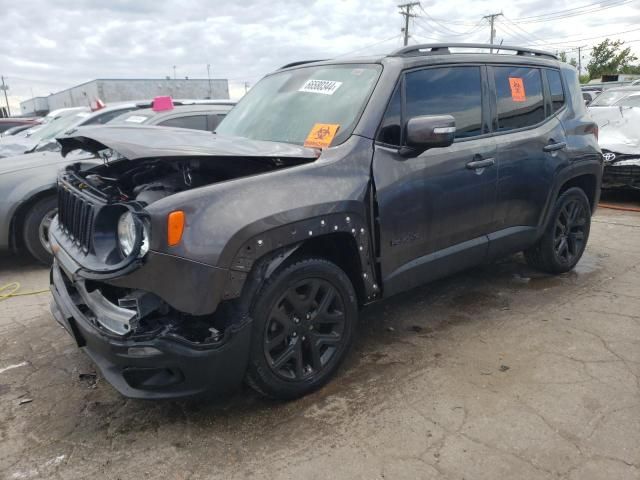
x,y
325,87
321,135
517,89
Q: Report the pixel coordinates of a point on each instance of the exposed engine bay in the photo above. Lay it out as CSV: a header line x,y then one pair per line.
x,y
147,181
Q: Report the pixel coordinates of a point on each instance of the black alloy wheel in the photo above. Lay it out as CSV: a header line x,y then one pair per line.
x,y
305,329
304,320
569,232
565,237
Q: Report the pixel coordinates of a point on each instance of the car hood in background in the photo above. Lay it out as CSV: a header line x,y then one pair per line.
x,y
137,142
619,129
37,160
15,145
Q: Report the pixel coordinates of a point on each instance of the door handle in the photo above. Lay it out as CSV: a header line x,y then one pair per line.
x,y
476,164
552,147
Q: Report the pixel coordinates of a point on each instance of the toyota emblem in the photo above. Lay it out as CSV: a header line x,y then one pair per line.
x,y
609,157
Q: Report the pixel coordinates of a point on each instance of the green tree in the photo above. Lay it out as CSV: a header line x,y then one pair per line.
x,y
573,62
562,56
609,57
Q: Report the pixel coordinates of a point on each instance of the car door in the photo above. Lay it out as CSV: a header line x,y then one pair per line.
x,y
531,146
434,210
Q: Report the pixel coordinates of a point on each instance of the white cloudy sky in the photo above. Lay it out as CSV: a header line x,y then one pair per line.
x,y
49,45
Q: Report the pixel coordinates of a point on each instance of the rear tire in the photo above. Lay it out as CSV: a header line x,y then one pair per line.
x,y
35,232
565,238
304,318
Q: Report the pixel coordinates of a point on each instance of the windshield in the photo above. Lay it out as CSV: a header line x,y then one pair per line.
x,y
56,126
287,106
608,99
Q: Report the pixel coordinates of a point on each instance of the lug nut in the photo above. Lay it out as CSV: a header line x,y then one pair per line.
x,y
294,334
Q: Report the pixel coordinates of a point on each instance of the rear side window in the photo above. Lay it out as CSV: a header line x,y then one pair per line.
x,y
555,89
519,97
455,91
194,122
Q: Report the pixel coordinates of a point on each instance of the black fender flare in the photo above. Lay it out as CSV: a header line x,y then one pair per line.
x,y
282,241
577,169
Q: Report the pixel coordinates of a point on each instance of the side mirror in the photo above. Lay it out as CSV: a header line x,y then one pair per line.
x,y
428,131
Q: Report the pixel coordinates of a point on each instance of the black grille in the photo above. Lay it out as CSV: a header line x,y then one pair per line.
x,y
75,216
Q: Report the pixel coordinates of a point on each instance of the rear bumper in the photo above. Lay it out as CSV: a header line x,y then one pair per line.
x,y
153,367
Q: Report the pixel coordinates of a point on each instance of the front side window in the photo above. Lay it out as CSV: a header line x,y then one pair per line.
x,y
519,97
287,106
455,91
555,89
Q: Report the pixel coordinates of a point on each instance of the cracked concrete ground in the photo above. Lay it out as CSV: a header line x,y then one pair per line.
x,y
498,373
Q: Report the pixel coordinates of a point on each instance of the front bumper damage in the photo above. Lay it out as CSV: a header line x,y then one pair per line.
x,y
622,172
161,359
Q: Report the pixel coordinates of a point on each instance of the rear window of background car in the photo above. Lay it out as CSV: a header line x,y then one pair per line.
x,y
556,90
518,109
194,122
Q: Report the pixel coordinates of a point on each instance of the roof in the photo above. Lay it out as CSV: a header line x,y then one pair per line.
x,y
152,114
435,52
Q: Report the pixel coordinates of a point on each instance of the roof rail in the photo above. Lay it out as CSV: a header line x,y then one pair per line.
x,y
443,49
300,62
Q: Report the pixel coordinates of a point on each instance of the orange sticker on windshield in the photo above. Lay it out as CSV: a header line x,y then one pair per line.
x,y
517,89
321,135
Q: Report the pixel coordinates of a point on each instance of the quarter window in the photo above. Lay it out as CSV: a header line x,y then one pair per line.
x,y
455,91
390,130
555,88
519,97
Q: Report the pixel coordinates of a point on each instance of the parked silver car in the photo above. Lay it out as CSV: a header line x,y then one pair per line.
x,y
28,181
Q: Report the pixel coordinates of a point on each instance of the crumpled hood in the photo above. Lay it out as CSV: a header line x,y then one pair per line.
x,y
619,128
137,142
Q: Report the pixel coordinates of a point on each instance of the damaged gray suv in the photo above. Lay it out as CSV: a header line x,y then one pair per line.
x,y
188,261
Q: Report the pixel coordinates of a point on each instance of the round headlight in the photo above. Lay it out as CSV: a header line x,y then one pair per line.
x,y
127,233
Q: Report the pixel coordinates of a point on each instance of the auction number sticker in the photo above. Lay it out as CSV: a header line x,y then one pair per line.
x,y
321,135
325,87
136,119
517,89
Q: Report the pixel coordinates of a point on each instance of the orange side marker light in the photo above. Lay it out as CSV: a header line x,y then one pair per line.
x,y
175,227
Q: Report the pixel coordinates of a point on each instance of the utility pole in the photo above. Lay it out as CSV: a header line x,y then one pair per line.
x,y
174,72
492,19
580,59
209,78
405,11
246,87
6,99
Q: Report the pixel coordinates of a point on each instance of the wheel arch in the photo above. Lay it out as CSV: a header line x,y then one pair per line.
x,y
342,238
587,182
16,225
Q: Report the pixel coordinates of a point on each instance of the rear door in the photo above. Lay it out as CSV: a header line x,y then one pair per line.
x,y
531,149
435,206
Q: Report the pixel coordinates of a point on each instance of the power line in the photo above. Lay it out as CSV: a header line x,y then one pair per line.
x,y
367,46
601,4
553,17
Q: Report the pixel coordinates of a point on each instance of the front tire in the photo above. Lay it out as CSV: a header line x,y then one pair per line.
x,y
36,229
304,319
566,235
